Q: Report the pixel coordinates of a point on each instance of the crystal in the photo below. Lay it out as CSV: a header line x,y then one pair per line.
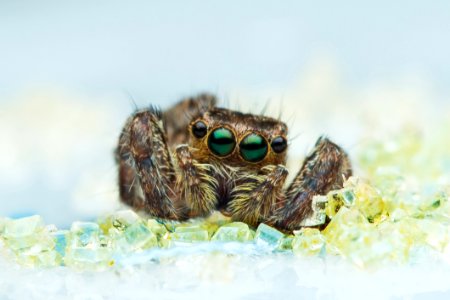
x,y
25,233
42,259
2,225
346,226
156,227
268,237
118,220
139,237
370,203
79,255
22,227
435,233
318,216
308,242
60,238
84,234
87,247
285,243
236,231
185,235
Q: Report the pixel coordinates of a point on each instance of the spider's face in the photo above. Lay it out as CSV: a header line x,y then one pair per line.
x,y
238,139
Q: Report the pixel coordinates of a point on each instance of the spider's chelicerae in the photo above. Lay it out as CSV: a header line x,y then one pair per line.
x,y
195,158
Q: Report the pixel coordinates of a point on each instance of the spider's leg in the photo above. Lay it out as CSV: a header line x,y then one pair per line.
x,y
323,170
128,180
195,184
144,161
254,197
177,118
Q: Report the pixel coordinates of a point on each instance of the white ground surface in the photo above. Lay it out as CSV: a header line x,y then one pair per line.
x,y
197,273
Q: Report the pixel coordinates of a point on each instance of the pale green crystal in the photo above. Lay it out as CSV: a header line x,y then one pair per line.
x,y
268,236
137,237
285,243
156,227
60,237
87,247
185,235
236,231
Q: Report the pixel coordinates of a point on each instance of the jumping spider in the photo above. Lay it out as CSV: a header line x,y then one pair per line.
x,y
196,158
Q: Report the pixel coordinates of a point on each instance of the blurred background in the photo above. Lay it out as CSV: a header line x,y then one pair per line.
x,y
72,71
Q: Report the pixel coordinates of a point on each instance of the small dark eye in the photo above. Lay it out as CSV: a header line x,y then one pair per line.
x,y
253,148
199,129
279,144
221,142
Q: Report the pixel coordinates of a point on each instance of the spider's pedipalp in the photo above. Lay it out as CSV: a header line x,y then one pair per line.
x,y
254,199
195,184
322,171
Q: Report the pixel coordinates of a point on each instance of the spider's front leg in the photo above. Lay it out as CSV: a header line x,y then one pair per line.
x,y
146,173
255,195
196,184
323,170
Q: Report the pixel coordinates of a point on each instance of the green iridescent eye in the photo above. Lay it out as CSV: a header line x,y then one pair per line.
x,y
221,142
253,148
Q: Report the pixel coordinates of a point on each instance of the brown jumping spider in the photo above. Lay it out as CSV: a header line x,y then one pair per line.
x,y
195,158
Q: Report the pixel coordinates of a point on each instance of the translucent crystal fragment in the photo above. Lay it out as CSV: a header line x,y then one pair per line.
x,y
214,222
156,227
48,258
435,233
318,216
236,231
285,243
22,227
84,234
118,220
268,237
308,242
2,225
88,255
368,200
60,237
87,247
27,232
346,227
138,237
185,235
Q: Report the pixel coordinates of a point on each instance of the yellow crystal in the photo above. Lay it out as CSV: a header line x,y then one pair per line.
x,y
308,242
23,227
118,220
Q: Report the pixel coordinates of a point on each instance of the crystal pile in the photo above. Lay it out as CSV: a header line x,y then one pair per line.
x,y
398,213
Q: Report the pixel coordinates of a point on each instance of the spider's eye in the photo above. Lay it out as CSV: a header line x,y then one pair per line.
x,y
279,144
221,142
199,129
253,148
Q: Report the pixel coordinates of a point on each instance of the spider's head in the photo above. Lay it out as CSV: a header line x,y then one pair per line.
x,y
238,139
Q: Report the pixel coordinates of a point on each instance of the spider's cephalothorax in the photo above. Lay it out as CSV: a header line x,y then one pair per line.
x,y
196,158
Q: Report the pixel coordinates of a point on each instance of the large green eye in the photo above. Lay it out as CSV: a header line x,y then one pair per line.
x,y
253,148
221,142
